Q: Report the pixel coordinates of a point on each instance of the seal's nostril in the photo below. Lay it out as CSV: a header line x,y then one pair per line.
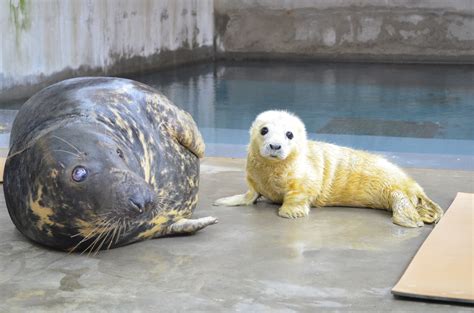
x,y
275,147
136,205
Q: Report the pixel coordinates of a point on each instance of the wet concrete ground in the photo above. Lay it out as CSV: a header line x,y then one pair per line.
x,y
337,259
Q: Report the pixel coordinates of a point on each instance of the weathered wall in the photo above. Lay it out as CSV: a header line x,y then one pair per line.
x,y
49,40
369,30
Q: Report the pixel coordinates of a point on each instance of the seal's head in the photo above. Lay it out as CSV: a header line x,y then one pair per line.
x,y
277,134
86,182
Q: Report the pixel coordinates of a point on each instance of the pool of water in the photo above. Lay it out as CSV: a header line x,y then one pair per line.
x,y
416,115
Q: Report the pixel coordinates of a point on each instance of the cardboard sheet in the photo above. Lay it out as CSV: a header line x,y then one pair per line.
x,y
443,268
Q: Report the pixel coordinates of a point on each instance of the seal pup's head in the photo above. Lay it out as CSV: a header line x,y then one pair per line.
x,y
276,135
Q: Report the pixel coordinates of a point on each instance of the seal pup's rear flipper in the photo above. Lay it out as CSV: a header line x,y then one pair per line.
x,y
187,226
429,211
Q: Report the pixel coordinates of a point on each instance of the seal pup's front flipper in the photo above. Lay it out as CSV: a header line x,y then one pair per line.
x,y
187,226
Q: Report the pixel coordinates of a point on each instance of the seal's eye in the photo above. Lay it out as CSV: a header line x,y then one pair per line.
x,y
79,174
263,131
289,135
120,153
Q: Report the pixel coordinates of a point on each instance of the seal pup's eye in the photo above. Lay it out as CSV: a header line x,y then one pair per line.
x,y
79,174
120,153
289,135
263,131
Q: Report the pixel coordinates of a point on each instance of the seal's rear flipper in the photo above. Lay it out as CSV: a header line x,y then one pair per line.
x,y
184,128
188,134
186,226
429,211
179,123
404,212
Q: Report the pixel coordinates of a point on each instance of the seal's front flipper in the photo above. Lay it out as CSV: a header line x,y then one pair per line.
x,y
186,226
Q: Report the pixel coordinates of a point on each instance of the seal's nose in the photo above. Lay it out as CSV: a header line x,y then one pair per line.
x,y
139,203
275,147
136,205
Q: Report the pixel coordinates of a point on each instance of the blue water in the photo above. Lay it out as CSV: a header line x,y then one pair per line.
x,y
416,115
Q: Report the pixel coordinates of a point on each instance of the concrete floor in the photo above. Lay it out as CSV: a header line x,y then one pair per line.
x,y
337,259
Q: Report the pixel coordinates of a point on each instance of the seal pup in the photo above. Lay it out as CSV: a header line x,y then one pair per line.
x,y
101,162
285,167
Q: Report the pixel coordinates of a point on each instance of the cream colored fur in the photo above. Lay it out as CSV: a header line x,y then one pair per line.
x,y
304,173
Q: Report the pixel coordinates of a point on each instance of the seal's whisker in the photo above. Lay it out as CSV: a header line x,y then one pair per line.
x,y
76,155
22,150
89,235
104,214
118,231
103,241
92,245
82,240
68,143
112,231
118,234
169,201
124,223
112,238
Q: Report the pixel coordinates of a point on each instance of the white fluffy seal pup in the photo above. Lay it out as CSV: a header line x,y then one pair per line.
x,y
285,167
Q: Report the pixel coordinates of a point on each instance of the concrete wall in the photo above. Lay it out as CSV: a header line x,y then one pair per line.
x,y
369,30
49,40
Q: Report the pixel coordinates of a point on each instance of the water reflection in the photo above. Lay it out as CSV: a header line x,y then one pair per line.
x,y
420,114
403,96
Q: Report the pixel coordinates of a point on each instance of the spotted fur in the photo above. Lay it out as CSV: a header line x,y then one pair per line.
x,y
134,143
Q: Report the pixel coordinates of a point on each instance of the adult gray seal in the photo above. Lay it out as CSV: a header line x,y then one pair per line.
x,y
101,162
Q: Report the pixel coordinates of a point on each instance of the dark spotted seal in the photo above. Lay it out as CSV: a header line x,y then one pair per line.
x,y
99,162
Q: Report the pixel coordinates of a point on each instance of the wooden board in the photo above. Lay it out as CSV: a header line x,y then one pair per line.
x,y
3,157
443,268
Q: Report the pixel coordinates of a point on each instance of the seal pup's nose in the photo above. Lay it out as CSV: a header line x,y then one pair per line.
x,y
275,147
